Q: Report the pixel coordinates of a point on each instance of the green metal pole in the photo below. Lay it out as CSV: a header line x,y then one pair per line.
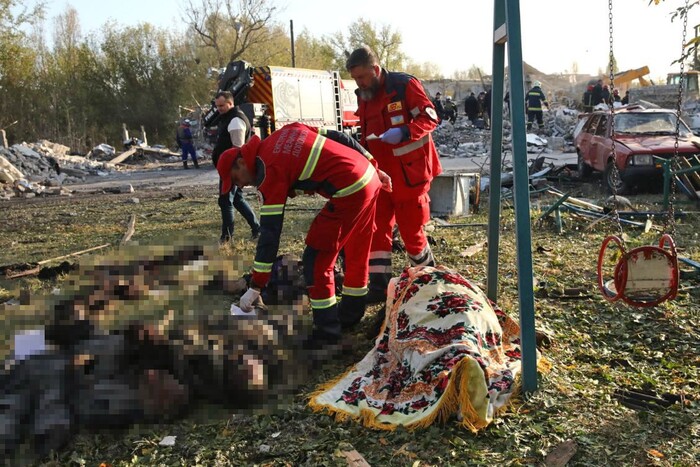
x,y
499,25
521,198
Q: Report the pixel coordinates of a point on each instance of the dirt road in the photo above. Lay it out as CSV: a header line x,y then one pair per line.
x,y
172,175
152,177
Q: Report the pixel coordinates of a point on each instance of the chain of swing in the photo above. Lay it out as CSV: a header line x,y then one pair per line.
x,y
669,219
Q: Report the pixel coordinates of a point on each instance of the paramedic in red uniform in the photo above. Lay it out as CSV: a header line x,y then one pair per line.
x,y
298,158
397,118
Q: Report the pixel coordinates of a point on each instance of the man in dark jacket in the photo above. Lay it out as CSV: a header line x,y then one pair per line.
x,y
588,99
471,107
439,106
234,130
626,100
597,92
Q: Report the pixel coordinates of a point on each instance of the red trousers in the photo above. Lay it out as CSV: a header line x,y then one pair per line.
x,y
410,215
343,223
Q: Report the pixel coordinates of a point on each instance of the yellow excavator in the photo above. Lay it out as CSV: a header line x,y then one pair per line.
x,y
623,78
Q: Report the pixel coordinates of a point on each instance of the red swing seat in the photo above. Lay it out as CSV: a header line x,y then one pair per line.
x,y
644,276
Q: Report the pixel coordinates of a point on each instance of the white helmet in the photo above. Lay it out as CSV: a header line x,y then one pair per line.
x,y
449,98
537,84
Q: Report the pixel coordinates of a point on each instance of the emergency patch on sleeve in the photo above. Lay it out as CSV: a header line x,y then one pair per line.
x,y
397,120
394,107
431,113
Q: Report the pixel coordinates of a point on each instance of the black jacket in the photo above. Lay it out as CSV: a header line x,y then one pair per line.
x,y
223,139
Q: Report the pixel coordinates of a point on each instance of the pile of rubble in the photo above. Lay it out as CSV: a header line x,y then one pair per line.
x,y
44,167
462,139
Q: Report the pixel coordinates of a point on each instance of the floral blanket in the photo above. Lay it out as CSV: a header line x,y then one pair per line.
x,y
445,351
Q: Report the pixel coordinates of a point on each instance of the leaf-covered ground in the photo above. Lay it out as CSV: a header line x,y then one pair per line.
x,y
596,349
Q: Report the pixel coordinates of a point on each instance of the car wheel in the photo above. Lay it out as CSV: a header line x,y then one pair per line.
x,y
584,170
620,188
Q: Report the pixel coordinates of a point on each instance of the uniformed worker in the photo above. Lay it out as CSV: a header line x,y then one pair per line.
x,y
534,100
394,106
298,158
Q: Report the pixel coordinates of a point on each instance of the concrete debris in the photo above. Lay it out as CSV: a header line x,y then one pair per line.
x,y
535,140
464,139
8,172
43,168
102,152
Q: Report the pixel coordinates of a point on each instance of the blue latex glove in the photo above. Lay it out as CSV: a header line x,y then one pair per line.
x,y
392,136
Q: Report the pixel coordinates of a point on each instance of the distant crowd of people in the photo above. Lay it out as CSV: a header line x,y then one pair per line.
x,y
476,108
599,93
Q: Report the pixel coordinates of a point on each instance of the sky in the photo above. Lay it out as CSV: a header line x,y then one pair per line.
x,y
557,35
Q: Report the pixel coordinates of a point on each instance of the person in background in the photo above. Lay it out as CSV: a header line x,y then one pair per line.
x,y
394,106
480,99
626,99
450,110
471,107
487,108
439,106
301,158
506,99
597,93
606,95
616,96
534,100
588,99
186,143
233,131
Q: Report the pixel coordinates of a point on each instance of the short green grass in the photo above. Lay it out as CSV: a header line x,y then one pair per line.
x,y
597,347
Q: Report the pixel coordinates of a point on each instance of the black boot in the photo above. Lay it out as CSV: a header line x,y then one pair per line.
x,y
324,342
378,283
351,311
184,164
196,164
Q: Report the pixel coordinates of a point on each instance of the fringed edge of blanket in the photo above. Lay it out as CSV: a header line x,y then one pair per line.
x,y
456,399
515,401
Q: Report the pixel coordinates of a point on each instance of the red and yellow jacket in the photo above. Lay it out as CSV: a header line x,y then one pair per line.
x,y
298,158
401,103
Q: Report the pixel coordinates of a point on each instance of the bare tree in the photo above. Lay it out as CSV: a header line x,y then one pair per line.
x,y
475,72
383,40
231,27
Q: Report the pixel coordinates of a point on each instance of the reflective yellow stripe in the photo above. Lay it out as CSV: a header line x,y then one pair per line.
x,y
403,150
313,158
355,291
272,210
323,303
358,185
262,267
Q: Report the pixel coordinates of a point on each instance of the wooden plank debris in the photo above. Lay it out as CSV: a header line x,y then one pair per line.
x,y
355,459
123,156
576,201
131,228
35,270
561,454
474,249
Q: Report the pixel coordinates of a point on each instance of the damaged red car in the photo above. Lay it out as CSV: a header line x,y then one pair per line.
x,y
642,138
